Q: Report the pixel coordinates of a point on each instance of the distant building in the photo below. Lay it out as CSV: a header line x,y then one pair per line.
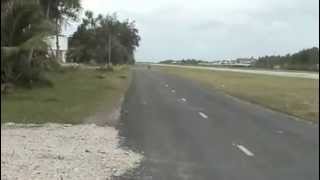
x,y
246,60
225,62
63,47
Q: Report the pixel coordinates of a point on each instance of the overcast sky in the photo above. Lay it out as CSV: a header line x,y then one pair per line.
x,y
216,29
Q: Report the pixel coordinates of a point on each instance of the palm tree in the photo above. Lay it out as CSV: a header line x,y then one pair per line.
x,y
23,30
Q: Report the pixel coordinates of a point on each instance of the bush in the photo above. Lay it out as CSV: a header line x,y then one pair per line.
x,y
108,68
17,70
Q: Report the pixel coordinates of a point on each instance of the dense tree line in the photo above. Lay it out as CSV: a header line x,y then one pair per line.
x,y
25,27
307,59
168,61
103,40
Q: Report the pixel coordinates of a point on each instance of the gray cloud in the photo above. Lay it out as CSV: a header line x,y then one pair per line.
x,y
207,25
212,30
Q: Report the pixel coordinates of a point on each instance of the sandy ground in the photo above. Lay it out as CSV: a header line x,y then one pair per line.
x,y
53,151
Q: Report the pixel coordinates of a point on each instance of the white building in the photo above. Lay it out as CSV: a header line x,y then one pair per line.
x,y
246,60
63,46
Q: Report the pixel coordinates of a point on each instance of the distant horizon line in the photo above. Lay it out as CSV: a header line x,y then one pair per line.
x,y
222,59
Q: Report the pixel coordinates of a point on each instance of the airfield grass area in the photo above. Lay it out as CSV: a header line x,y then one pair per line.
x,y
75,94
295,96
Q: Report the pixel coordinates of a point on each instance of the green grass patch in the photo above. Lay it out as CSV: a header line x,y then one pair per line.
x,y
75,95
294,96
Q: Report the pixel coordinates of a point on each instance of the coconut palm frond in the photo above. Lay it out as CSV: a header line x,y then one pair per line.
x,y
9,51
24,25
35,42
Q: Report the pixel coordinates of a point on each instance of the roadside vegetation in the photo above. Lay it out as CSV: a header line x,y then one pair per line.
x,y
25,28
74,95
294,96
304,60
307,60
35,87
103,40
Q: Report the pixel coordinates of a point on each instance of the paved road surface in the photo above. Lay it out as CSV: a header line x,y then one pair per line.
x,y
251,71
189,132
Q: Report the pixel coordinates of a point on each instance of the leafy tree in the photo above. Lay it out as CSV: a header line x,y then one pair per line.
x,y
104,40
307,59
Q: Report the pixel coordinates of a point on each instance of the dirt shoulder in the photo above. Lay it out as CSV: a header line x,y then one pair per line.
x,y
110,114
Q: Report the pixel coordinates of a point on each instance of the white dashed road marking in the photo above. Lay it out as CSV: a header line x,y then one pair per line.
x,y
203,115
182,100
245,150
280,132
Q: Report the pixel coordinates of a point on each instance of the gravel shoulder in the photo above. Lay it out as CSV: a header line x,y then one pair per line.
x,y
55,151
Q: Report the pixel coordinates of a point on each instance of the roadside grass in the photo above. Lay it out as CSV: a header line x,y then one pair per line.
x,y
75,95
295,96
249,68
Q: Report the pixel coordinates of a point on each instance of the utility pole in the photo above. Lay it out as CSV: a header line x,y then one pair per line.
x,y
109,49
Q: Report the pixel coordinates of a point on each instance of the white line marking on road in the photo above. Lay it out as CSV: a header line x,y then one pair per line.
x,y
173,91
203,115
280,132
182,100
245,150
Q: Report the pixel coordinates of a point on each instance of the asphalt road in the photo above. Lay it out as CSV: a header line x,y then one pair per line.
x,y
186,131
307,75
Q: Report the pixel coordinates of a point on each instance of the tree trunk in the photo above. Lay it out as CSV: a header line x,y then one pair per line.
x,y
30,57
29,60
48,9
109,50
